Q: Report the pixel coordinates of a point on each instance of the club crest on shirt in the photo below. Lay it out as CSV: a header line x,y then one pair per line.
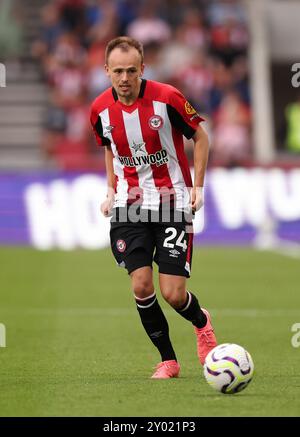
x,y
121,245
156,122
189,109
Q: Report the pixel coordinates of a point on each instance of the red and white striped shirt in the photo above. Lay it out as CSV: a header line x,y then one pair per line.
x,y
147,143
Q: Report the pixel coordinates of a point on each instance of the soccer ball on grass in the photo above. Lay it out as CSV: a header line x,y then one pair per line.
x,y
228,368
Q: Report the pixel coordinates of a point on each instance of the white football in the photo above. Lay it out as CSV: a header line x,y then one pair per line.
x,y
228,368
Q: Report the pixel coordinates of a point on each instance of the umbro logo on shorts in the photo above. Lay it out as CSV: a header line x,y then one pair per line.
x,y
174,253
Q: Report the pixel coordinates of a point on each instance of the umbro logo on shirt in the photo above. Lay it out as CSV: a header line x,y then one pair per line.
x,y
108,129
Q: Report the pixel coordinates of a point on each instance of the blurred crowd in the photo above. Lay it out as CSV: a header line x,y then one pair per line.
x,y
199,46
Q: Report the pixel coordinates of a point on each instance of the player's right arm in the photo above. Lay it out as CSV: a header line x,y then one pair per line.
x,y
96,108
107,205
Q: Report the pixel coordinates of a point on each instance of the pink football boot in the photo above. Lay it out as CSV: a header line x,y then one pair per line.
x,y
206,339
166,369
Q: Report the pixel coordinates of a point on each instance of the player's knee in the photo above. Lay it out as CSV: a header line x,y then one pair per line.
x,y
175,297
142,290
142,282
142,287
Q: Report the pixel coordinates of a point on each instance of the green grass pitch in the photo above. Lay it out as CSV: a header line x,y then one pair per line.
x,y
75,345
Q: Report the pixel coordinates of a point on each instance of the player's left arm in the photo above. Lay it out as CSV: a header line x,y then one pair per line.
x,y
201,150
186,119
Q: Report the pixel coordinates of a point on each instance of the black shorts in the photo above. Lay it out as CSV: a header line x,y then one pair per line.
x,y
137,244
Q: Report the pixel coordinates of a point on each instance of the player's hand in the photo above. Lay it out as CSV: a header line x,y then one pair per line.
x,y
107,205
196,198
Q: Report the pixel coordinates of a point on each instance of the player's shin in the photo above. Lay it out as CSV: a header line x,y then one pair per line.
x,y
156,326
192,311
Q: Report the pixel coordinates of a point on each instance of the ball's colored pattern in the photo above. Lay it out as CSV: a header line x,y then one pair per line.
x,y
228,368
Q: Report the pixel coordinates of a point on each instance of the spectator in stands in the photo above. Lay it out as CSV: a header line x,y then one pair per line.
x,y
72,13
103,22
228,34
68,84
66,70
67,141
148,27
126,12
66,51
223,81
52,28
193,31
240,73
196,81
229,40
97,79
220,11
174,10
173,54
153,70
231,131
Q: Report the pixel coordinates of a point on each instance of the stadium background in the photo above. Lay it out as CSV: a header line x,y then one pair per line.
x,y
63,302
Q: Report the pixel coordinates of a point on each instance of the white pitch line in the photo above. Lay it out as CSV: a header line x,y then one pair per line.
x,y
116,312
290,250
281,247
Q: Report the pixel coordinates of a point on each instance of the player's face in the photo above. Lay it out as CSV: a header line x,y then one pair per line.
x,y
125,70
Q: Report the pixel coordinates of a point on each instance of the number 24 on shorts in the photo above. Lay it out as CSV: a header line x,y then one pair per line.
x,y
180,242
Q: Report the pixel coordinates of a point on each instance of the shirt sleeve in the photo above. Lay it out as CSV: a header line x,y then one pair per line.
x,y
98,129
182,115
